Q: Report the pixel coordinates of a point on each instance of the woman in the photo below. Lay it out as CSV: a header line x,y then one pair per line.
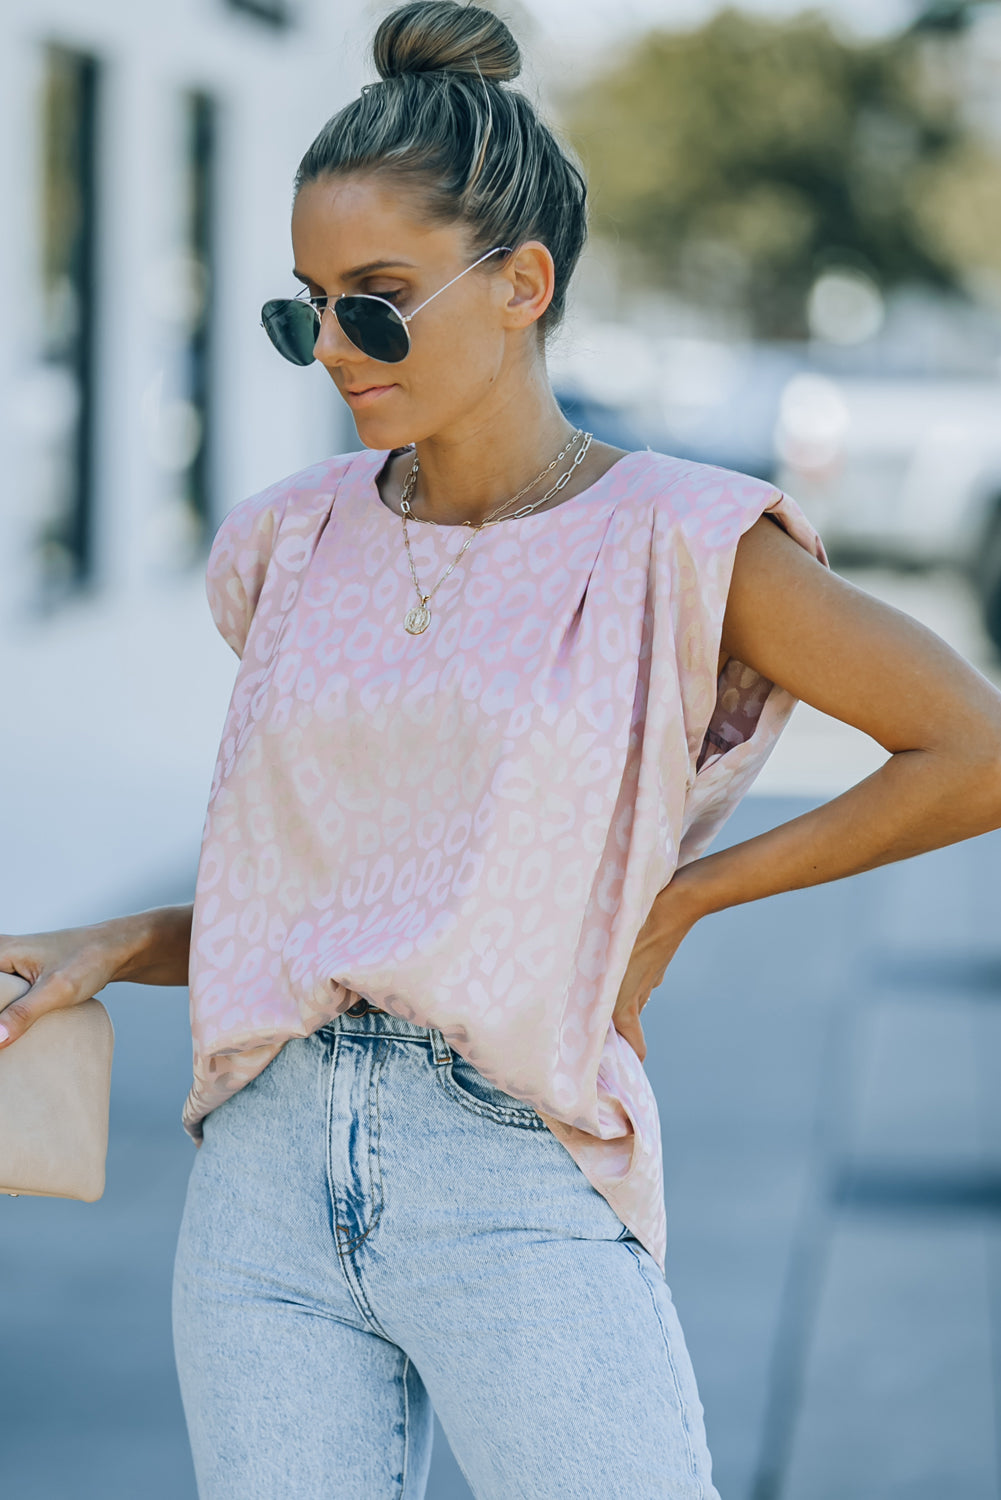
x,y
497,692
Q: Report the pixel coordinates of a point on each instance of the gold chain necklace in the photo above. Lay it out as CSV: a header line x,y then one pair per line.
x,y
418,619
411,481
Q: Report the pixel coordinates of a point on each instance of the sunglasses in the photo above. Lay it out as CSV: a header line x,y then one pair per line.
x,y
372,324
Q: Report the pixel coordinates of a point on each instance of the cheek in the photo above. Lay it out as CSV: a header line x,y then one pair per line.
x,y
453,365
450,369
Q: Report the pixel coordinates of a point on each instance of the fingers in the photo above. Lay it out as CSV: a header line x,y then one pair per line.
x,y
21,1003
43,971
629,1028
637,1041
12,986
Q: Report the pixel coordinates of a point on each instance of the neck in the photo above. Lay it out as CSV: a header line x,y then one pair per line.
x,y
468,472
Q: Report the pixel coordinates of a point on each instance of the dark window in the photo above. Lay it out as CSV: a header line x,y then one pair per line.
x,y
201,151
272,12
179,407
68,273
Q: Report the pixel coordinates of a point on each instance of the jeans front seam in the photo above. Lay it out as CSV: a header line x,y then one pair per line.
x,y
682,1407
328,1132
406,1429
373,1096
375,1113
344,1251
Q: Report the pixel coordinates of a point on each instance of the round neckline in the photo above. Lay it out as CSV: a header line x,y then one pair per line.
x,y
382,455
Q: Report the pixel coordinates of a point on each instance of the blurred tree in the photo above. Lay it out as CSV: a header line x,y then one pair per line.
x,y
956,202
740,160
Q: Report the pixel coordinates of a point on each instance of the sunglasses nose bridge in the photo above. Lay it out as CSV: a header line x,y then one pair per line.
x,y
366,326
333,346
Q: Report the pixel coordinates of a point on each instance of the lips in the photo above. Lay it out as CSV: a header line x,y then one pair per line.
x,y
365,395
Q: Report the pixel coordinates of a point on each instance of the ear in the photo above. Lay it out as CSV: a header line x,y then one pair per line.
x,y
530,278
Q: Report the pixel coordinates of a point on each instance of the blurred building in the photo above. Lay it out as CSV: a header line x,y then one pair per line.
x,y
146,162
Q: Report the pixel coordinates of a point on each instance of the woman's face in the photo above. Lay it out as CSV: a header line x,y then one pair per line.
x,y
363,234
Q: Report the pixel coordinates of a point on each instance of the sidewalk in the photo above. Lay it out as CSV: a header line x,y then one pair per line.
x,y
825,1064
831,1128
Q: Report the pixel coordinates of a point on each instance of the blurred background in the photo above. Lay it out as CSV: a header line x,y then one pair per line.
x,y
795,271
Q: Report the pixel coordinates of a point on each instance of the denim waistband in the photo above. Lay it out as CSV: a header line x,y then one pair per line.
x,y
365,1019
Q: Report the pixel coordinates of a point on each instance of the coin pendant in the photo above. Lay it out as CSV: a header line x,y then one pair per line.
x,y
418,619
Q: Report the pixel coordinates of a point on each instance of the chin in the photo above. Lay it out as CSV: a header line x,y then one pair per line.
x,y
381,433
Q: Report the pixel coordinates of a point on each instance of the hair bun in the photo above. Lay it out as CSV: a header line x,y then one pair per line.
x,y
432,36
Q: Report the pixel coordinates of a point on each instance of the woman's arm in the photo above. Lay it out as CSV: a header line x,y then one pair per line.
x,y
72,964
151,947
864,662
870,665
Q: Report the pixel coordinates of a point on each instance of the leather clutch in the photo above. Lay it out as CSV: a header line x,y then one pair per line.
x,y
55,1088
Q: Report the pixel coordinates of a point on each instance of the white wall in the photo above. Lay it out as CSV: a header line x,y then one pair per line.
x,y
115,700
274,90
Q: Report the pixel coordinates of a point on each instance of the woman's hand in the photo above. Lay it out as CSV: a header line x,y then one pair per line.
x,y
62,968
672,915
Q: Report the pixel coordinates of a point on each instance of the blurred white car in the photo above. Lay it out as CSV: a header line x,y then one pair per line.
x,y
903,471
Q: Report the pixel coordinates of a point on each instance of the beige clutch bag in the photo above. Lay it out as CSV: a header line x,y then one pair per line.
x,y
55,1086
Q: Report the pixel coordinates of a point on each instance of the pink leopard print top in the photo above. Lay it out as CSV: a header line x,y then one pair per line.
x,y
468,827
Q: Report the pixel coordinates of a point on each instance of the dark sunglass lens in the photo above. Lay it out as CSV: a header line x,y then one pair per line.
x,y
293,328
374,328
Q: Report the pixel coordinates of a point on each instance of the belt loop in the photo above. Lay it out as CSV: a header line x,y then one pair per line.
x,y
440,1050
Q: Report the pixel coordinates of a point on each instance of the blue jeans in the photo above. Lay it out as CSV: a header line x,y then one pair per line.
x,y
374,1232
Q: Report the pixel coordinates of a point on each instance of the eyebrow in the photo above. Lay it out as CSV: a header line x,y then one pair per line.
x,y
359,271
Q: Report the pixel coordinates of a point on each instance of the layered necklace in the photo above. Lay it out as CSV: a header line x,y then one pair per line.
x,y
418,619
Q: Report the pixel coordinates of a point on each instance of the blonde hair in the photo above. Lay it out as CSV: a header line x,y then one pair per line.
x,y
442,121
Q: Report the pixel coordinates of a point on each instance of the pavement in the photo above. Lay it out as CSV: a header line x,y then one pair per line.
x,y
824,1062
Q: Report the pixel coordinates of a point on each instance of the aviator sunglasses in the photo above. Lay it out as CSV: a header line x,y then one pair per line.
x,y
372,324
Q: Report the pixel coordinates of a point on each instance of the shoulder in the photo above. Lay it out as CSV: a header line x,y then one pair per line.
x,y
299,494
702,510
696,496
273,524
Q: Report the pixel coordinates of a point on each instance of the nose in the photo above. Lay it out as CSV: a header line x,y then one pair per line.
x,y
333,347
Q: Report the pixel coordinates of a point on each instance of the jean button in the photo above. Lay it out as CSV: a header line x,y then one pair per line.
x,y
359,1008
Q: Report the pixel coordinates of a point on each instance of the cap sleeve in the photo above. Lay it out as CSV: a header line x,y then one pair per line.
x,y
238,560
733,720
